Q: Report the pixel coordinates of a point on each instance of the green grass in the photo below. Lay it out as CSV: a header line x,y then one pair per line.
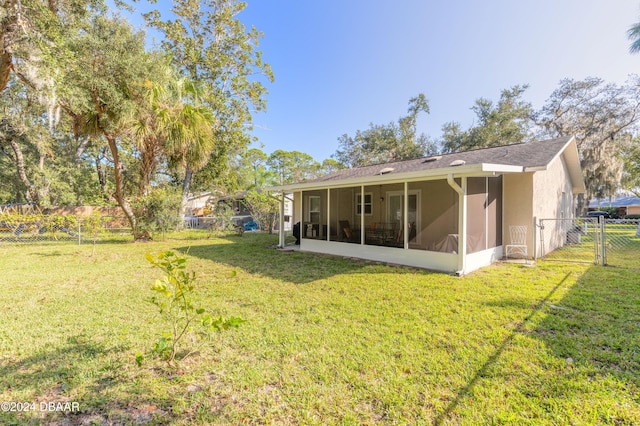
x,y
327,340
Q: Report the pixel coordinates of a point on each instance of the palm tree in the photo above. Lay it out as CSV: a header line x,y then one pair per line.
x,y
633,34
189,130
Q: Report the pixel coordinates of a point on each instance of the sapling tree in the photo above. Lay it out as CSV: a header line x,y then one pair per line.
x,y
93,226
175,297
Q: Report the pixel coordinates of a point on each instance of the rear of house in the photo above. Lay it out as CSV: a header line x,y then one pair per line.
x,y
450,213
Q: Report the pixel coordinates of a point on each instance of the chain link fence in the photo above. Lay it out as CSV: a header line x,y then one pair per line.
x,y
44,228
614,242
622,242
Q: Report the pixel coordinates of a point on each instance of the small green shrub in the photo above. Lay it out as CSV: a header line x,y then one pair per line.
x,y
223,214
158,211
175,299
93,228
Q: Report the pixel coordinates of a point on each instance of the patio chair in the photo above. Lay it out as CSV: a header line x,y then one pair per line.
x,y
346,232
518,241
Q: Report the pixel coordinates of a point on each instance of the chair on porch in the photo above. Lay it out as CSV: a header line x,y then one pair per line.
x,y
518,241
346,233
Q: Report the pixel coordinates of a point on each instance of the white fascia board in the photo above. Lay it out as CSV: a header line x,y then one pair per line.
x,y
483,169
501,168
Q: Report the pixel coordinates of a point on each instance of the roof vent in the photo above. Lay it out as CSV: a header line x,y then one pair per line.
x,y
432,159
386,170
457,163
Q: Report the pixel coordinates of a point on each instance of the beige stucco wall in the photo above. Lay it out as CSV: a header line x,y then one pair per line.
x,y
518,205
553,200
540,194
633,210
297,207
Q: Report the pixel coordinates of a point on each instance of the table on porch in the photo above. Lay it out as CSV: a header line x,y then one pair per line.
x,y
381,234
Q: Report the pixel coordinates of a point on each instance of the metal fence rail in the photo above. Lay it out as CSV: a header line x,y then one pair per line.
x,y
33,229
17,229
614,242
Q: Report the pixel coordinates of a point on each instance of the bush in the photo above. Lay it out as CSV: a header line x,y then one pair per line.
x,y
158,211
223,214
43,226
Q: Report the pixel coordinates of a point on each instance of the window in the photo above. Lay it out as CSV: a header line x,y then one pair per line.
x,y
368,205
314,209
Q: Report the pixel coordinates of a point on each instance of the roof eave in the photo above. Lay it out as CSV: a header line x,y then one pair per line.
x,y
482,169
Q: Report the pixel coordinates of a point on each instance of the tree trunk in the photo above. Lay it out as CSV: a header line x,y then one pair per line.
x,y
102,175
119,191
22,174
148,163
81,147
5,67
186,185
7,30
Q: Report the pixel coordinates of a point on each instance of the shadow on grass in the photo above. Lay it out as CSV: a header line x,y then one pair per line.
x,y
597,324
595,328
257,255
492,360
51,376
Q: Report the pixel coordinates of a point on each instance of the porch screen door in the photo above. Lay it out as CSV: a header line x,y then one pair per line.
x,y
396,208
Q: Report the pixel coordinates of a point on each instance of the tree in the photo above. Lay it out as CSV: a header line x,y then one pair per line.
x,y
109,58
631,175
253,166
292,166
507,122
385,143
211,47
601,116
30,37
264,208
188,131
330,165
633,33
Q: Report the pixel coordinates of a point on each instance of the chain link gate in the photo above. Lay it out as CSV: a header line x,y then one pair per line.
x,y
614,242
622,242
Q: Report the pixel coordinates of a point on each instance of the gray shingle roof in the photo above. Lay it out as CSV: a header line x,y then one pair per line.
x,y
530,155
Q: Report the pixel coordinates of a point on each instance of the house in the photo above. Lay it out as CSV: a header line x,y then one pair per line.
x,y
625,205
450,213
242,213
198,203
237,204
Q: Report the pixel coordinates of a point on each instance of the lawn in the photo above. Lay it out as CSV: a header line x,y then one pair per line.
x,y
326,340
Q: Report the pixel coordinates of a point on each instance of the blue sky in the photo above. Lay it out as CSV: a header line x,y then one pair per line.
x,y
342,64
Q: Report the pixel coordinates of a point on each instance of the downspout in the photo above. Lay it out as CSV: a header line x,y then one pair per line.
x,y
462,221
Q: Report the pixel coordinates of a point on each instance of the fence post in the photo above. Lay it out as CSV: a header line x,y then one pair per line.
x,y
603,238
535,238
596,243
79,231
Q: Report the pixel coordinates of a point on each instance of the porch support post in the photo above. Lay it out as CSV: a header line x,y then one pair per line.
x,y
462,220
281,224
361,214
405,233
328,236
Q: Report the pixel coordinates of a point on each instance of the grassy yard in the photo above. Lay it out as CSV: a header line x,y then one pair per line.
x,y
327,340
